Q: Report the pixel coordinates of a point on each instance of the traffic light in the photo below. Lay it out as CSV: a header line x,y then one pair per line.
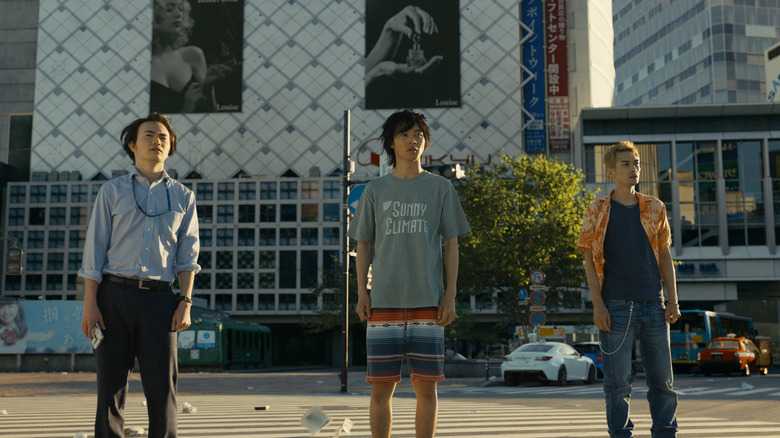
x,y
14,260
449,171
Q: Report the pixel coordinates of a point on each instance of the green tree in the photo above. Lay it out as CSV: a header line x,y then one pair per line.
x,y
525,213
331,289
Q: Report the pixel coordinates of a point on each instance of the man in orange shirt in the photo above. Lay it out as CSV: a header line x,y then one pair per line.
x,y
625,239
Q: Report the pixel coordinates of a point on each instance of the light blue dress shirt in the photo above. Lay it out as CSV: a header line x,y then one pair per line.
x,y
123,241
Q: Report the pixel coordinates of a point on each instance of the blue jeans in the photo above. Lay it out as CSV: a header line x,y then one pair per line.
x,y
645,321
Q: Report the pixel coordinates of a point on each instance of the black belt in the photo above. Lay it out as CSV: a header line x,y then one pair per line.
x,y
136,283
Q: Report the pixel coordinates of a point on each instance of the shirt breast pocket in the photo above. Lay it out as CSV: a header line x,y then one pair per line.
x,y
170,222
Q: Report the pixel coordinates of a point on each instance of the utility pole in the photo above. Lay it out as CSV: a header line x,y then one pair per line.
x,y
345,253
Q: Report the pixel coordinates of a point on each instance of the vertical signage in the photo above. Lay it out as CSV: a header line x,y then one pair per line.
x,y
772,69
533,90
557,76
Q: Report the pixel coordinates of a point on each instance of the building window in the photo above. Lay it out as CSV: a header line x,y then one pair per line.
x,y
742,170
54,282
17,195
224,237
267,190
309,268
78,193
267,259
224,280
330,259
204,192
309,236
78,215
202,281
288,237
38,216
225,214
95,191
74,261
204,260
266,280
76,238
34,261
265,301
246,260
15,217
267,237
205,236
246,214
330,212
205,214
310,190
246,237
246,191
56,239
35,239
57,216
224,259
288,213
59,193
245,302
13,283
223,302
245,280
308,302
267,213
288,268
38,194
55,261
33,282
287,302
331,190
309,212
288,190
75,282
698,198
330,236
225,191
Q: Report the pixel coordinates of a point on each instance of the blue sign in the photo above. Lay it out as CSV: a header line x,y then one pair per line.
x,y
538,298
537,319
522,294
354,196
42,327
534,89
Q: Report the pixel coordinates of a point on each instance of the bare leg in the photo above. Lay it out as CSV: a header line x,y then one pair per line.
x,y
427,408
381,409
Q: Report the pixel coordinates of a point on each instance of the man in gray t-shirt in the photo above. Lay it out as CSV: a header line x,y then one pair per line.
x,y
400,223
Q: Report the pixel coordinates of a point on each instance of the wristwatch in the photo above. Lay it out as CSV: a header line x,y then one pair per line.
x,y
185,299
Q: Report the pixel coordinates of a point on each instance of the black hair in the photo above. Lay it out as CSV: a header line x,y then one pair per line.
x,y
400,122
130,133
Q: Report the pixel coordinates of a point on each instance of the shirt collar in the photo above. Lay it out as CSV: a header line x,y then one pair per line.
x,y
163,178
640,198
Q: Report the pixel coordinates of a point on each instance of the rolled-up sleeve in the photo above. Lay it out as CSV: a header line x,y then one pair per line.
x,y
97,238
188,246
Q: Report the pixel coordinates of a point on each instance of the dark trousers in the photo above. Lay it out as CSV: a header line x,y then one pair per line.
x,y
138,325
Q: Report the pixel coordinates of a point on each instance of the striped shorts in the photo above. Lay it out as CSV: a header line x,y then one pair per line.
x,y
393,332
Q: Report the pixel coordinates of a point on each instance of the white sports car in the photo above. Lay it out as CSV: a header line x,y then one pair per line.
x,y
547,362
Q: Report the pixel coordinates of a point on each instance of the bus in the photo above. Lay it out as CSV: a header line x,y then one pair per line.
x,y
695,328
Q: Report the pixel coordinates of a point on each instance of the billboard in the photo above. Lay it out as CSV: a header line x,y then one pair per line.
x,y
533,91
772,68
557,76
197,54
412,54
42,327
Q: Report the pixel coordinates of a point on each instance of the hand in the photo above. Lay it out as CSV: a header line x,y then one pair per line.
x,y
446,313
420,20
390,68
181,317
91,316
363,306
218,71
192,95
672,312
601,317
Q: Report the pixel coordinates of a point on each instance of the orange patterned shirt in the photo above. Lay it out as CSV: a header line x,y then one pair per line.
x,y
652,213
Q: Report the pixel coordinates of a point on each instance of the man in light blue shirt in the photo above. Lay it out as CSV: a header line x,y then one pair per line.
x,y
143,231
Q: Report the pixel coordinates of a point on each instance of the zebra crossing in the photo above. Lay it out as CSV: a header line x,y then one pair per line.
x,y
732,390
235,416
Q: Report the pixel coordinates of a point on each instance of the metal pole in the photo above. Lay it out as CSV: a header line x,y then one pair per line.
x,y
345,245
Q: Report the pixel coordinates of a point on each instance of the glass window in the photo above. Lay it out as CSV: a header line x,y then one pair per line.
x,y
266,280
309,268
54,282
246,259
266,301
13,282
76,238
205,214
57,216
78,193
224,259
202,281
245,301
287,302
267,237
34,261
774,173
246,237
75,282
59,193
288,213
310,190
309,236
35,239
742,166
55,261
225,191
204,260
309,212
267,259
223,302
33,282
17,194
225,214
245,280
246,213
331,190
308,302
288,268
37,194
57,239
287,237
78,215
288,190
74,261
205,236
698,201
16,217
330,259
37,216
267,213
267,190
330,236
224,280
246,190
95,190
330,212
204,191
205,297
224,237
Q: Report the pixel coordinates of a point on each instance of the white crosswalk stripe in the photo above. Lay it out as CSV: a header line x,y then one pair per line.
x,y
234,416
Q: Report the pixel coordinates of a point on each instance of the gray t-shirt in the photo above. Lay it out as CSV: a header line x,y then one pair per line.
x,y
405,221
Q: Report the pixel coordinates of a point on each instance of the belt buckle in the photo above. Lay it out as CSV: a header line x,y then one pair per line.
x,y
141,285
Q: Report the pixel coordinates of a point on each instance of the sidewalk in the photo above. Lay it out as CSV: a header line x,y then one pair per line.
x,y
280,381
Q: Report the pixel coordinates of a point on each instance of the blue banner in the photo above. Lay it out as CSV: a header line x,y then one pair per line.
x,y
42,327
533,91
